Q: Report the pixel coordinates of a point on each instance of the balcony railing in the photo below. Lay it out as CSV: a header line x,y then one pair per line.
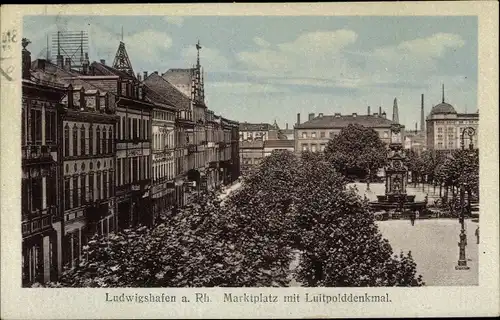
x,y
37,153
40,222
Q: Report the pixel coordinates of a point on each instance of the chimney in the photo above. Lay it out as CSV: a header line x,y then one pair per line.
x,y
26,60
368,110
384,115
85,64
103,61
311,116
139,76
422,120
380,110
286,126
145,74
395,111
60,61
67,64
416,127
320,115
375,114
354,115
298,118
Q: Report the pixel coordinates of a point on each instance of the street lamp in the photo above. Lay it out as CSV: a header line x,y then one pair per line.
x,y
462,260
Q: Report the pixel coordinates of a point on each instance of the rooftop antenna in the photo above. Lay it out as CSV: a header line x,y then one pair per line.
x,y
122,34
443,92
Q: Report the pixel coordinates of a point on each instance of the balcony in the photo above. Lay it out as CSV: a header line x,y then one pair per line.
x,y
42,221
192,148
222,144
37,154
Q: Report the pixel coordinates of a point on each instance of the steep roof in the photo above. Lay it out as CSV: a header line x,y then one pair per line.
x,y
179,76
279,144
163,91
103,69
342,121
245,126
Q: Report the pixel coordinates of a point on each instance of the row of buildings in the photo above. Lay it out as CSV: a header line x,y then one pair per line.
x,y
105,149
442,129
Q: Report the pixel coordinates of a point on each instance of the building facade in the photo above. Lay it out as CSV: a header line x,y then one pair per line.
x,y
88,186
41,213
445,127
314,134
251,154
272,145
255,131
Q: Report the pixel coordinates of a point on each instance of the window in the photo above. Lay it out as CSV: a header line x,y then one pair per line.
x,y
126,170
304,135
82,139
135,168
98,140
23,128
91,140
36,189
91,187
50,126
66,140
313,147
322,134
67,193
332,134
83,189
140,129
134,129
322,147
36,125
111,185
104,141
129,132
119,171
99,184
440,130
75,192
110,140
313,134
304,147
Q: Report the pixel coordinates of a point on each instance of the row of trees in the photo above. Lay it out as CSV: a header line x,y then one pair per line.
x,y
286,207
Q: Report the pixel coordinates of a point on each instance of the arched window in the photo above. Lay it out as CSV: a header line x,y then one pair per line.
x,y
66,140
91,140
98,140
104,144
75,140
83,141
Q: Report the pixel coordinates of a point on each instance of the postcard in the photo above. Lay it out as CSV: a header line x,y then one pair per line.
x,y
249,160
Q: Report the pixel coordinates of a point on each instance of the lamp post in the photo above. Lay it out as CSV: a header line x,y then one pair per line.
x,y
462,260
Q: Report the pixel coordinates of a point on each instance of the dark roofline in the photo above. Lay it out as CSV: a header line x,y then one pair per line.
x,y
174,87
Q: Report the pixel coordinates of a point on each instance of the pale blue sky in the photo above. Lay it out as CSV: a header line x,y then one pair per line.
x,y
259,69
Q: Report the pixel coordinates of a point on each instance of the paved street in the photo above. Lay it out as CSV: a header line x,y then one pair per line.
x,y
434,246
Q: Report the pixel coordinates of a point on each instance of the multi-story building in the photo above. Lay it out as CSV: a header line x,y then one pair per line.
x,y
161,91
163,151
190,83
133,138
314,134
88,158
283,144
256,131
445,127
41,214
229,151
251,153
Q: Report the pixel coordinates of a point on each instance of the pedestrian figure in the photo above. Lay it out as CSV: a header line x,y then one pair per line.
x,y
477,234
412,218
417,215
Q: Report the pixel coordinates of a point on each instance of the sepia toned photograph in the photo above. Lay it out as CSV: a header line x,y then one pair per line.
x,y
209,151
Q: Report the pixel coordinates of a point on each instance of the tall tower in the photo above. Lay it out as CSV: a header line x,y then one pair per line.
x,y
122,62
422,120
443,93
199,86
395,114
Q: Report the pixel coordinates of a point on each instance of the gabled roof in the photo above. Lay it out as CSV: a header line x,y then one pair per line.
x,y
342,121
279,144
102,69
160,90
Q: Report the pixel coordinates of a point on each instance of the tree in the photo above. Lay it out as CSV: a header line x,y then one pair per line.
x,y
357,150
341,244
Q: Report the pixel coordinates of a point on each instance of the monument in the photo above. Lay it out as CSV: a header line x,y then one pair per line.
x,y
395,198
